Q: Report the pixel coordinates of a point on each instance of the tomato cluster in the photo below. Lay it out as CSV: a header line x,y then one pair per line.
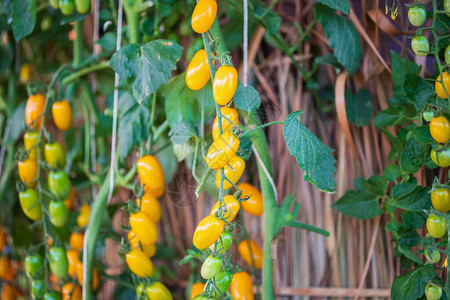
x,y
68,6
8,269
213,235
145,213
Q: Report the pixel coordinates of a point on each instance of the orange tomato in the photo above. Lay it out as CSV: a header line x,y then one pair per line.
x,y
254,251
77,240
5,265
3,241
34,110
69,201
95,276
62,114
196,289
254,205
73,259
8,292
241,287
71,292
28,171
83,217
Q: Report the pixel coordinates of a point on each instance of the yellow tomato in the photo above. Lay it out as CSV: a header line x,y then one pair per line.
x,y
139,263
150,205
71,292
440,129
26,73
222,150
207,232
224,84
438,86
230,209
95,276
233,173
83,217
158,291
232,115
62,114
151,174
149,249
196,289
143,227
77,240
134,241
30,141
73,259
197,73
204,15
254,204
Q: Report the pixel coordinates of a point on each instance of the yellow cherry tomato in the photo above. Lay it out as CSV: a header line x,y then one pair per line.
x,y
134,241
196,289
230,209
256,253
71,292
28,171
3,240
26,73
62,114
241,287
76,240
440,129
73,259
83,217
204,15
438,85
30,141
440,198
149,249
441,158
95,276
151,174
222,150
5,265
143,227
253,205
233,173
34,110
55,156
158,291
232,115
197,73
139,263
225,84
69,201
150,205
207,232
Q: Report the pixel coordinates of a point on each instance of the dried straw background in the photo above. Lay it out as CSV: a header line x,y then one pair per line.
x,y
357,259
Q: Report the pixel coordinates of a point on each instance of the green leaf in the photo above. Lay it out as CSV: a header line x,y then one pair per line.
x,y
342,5
271,19
313,156
412,284
17,123
392,172
7,55
422,134
376,185
342,35
133,120
409,254
425,94
359,204
181,133
408,238
146,67
414,219
400,67
390,116
414,156
24,18
185,105
409,196
359,107
247,98
328,59
108,41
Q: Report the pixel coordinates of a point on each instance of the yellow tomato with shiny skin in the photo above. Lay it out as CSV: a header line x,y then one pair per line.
x,y
197,73
222,150
204,15
207,232
151,174
255,255
254,205
229,210
232,115
225,84
233,172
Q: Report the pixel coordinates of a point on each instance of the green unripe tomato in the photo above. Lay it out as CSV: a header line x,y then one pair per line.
x,y
211,266
436,226
447,7
433,256
447,55
227,239
38,289
66,7
52,296
428,115
34,266
59,184
58,213
223,280
58,261
417,15
433,292
82,6
420,45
